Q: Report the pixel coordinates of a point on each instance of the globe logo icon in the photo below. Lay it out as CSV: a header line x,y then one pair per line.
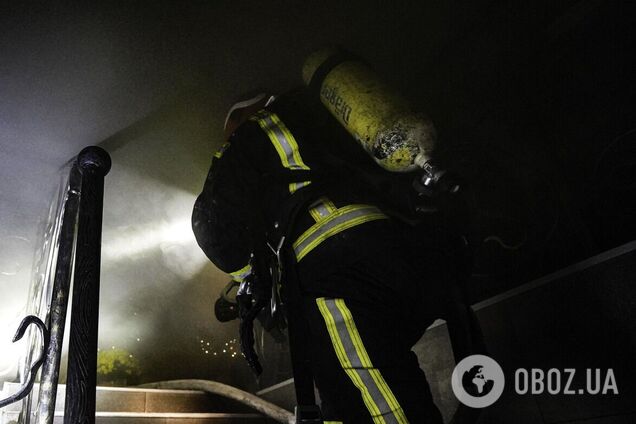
x,y
478,381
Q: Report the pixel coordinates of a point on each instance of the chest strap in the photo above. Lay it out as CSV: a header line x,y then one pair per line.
x,y
331,221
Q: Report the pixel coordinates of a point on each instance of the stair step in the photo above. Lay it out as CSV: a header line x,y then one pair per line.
x,y
11,417
130,399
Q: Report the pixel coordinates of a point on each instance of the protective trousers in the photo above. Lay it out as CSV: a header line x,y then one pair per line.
x,y
363,321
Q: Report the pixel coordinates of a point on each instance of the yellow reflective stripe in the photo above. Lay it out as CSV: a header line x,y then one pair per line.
x,y
360,349
338,213
284,143
242,273
277,146
295,186
261,119
321,208
338,229
315,214
290,139
340,220
386,391
329,204
345,363
222,150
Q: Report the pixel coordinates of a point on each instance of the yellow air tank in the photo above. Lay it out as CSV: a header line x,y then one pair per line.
x,y
380,119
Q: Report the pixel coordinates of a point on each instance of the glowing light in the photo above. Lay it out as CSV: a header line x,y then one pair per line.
x,y
130,243
173,239
138,339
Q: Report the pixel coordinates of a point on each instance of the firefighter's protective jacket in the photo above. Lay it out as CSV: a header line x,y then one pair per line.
x,y
249,183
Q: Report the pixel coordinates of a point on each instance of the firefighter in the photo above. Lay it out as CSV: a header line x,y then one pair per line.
x,y
293,208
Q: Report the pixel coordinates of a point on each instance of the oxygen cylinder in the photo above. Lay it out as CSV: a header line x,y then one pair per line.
x,y
380,119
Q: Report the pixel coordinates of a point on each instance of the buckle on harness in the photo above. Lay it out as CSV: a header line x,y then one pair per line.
x,y
276,270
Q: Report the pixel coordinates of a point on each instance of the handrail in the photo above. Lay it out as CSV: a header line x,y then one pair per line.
x,y
59,302
81,227
266,408
94,163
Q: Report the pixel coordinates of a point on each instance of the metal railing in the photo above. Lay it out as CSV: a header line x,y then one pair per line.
x,y
78,243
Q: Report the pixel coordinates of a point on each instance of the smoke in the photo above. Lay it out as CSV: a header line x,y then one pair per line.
x,y
157,286
173,239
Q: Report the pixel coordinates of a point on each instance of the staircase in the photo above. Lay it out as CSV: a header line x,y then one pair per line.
x,y
118,405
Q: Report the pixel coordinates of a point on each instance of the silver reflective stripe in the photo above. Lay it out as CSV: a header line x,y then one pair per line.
x,y
352,355
321,210
296,186
340,220
284,143
277,135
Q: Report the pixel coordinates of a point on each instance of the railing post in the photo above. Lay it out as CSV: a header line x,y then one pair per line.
x,y
59,302
94,163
